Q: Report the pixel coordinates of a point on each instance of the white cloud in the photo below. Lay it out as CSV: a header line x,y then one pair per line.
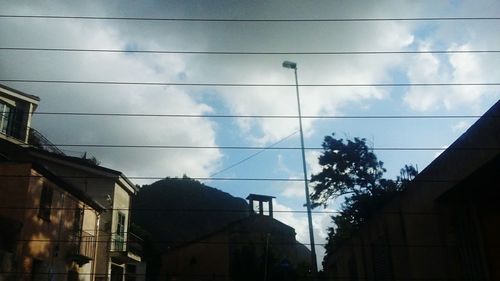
x,y
313,166
118,99
451,68
294,190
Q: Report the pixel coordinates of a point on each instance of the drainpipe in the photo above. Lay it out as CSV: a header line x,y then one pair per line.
x,y
96,235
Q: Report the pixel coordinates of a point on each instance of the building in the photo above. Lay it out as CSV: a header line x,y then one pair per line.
x,y
118,254
257,247
119,248
16,109
444,226
48,227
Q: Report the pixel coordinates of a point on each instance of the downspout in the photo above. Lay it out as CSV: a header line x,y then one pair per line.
x,y
96,234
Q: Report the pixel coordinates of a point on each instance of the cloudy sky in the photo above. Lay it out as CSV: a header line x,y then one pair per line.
x,y
251,36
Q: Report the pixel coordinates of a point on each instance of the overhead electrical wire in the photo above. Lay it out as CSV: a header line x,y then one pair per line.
x,y
207,178
204,84
249,52
253,155
263,116
165,210
176,19
259,147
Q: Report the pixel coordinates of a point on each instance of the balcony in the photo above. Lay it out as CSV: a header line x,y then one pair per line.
x,y
38,140
126,250
83,248
134,244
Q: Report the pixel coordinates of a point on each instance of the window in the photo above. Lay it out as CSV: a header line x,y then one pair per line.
x,y
45,203
40,271
120,232
120,228
5,117
78,220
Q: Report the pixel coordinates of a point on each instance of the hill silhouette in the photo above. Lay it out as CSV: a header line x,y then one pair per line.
x,y
177,210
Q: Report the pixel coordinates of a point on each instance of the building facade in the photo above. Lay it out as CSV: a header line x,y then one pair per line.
x,y
118,251
49,230
257,247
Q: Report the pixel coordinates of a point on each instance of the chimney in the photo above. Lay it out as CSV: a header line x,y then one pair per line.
x,y
261,199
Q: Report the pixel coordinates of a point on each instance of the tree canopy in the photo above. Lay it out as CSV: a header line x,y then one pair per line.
x,y
350,169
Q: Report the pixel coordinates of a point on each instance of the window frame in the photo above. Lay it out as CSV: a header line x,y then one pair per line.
x,y
6,111
46,198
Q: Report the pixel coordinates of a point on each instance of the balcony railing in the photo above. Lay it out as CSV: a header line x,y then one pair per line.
x,y
118,243
87,244
84,247
132,244
40,141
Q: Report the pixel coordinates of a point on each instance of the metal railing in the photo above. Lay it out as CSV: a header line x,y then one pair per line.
x,y
87,244
38,140
135,244
118,243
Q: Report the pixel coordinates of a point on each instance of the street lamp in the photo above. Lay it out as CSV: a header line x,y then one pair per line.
x,y
293,65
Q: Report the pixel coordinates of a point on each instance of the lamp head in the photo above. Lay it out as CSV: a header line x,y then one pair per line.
x,y
289,64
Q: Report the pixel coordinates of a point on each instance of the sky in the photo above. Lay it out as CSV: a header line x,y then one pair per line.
x,y
262,36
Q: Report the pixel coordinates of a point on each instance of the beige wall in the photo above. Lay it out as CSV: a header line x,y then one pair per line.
x,y
49,241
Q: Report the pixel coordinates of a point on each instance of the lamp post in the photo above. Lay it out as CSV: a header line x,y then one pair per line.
x,y
293,65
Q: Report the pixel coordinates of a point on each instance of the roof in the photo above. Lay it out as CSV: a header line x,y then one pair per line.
x,y
45,172
32,97
35,152
18,153
478,145
260,197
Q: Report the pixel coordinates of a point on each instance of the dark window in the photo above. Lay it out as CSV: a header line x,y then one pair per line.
x,y
39,271
77,223
120,228
45,202
120,232
130,272
73,275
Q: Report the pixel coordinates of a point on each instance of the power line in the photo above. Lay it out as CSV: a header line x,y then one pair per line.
x,y
250,84
265,116
222,243
262,147
253,155
249,52
207,178
201,210
174,19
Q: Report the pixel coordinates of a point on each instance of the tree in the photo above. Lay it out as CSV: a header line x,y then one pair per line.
x,y
351,170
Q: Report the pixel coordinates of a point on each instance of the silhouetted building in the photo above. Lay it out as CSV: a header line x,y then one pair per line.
x,y
257,247
444,226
